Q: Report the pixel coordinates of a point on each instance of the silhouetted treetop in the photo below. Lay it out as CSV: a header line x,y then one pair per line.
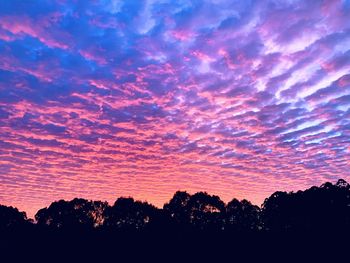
x,y
325,208
127,213
205,210
177,207
75,213
342,184
10,217
199,210
242,215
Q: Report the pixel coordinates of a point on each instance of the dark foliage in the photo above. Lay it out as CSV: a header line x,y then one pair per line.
x,y
199,211
128,214
200,225
11,218
325,208
242,216
78,213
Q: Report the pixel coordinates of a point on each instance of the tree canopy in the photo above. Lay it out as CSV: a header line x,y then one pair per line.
x,y
324,208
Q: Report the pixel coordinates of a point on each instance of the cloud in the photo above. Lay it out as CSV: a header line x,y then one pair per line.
x,y
108,98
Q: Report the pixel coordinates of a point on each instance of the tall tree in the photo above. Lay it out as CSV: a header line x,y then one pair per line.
x,y
176,209
11,218
205,211
324,208
242,216
126,213
71,214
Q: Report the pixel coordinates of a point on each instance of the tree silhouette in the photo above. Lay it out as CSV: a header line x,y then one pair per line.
x,y
128,214
200,211
205,211
314,221
325,208
309,221
242,216
11,218
177,210
72,214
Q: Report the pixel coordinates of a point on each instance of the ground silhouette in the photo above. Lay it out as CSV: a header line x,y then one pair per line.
x,y
315,222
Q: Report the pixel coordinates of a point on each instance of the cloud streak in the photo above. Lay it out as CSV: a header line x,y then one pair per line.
x,y
108,98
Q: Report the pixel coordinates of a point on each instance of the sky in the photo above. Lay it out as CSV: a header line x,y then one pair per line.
x,y
102,99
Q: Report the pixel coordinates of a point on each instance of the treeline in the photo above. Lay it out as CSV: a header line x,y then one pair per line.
x,y
326,207
316,217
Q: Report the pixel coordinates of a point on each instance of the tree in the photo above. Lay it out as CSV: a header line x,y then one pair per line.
x,y
126,213
242,216
318,209
199,211
176,209
11,218
205,211
71,214
275,211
